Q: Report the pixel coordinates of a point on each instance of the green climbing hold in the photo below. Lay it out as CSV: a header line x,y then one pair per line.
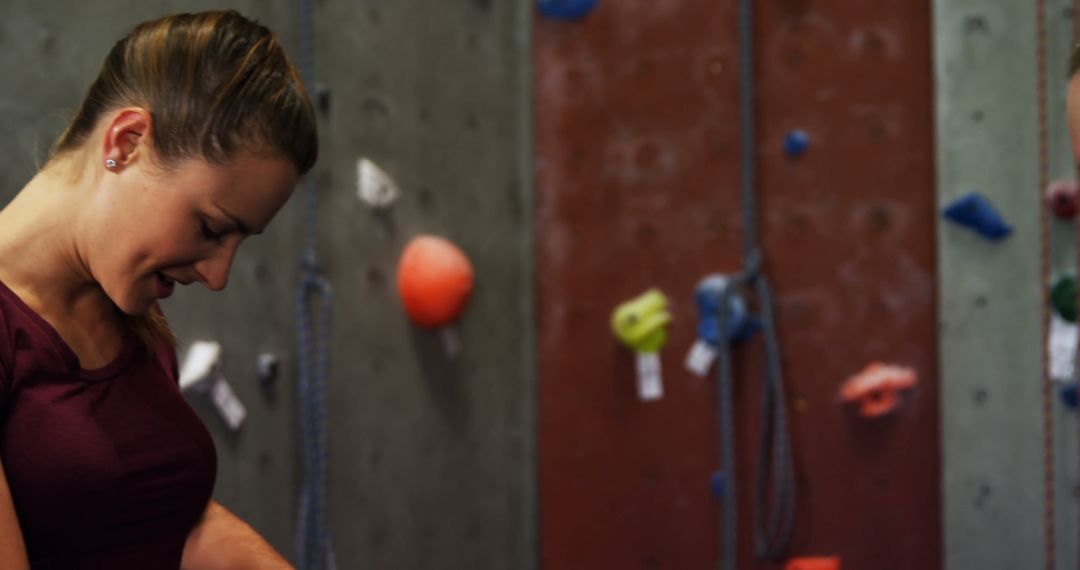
x,y
1063,297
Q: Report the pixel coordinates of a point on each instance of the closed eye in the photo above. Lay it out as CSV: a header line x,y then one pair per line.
x,y
208,233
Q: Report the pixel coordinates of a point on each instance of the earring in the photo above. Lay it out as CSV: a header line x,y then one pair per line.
x,y
110,163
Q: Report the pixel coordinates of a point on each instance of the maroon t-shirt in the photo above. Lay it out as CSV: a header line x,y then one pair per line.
x,y
108,468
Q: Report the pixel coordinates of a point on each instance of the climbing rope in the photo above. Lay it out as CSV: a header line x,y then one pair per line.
x,y
1044,262
1075,42
773,522
313,547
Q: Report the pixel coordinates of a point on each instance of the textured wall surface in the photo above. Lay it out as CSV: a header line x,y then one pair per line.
x,y
637,152
431,461
991,300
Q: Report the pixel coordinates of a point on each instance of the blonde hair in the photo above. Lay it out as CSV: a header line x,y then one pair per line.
x,y
216,84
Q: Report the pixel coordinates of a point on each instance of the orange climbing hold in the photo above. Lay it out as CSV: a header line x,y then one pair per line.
x,y
814,563
877,388
435,279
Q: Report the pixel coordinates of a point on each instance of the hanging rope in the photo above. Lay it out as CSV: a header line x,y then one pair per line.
x,y
313,547
1076,238
1044,267
773,522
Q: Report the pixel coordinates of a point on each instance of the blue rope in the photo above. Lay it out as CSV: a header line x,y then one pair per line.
x,y
772,530
313,546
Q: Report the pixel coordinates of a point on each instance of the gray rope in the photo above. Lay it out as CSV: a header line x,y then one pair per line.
x,y
771,542
747,130
728,502
314,550
772,530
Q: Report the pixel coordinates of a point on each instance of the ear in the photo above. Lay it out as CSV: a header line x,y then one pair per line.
x,y
127,137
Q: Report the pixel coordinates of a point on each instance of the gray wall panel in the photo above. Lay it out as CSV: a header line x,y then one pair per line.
x,y
990,301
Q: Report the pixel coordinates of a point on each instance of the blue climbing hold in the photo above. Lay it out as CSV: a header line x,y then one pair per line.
x,y
796,143
741,325
566,9
1069,396
718,484
975,212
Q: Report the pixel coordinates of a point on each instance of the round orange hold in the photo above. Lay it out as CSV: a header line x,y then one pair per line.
x,y
434,280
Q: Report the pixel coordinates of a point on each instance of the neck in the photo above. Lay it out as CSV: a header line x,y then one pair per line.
x,y
40,242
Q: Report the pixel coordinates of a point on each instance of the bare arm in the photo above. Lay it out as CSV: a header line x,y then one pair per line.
x,y
12,547
222,541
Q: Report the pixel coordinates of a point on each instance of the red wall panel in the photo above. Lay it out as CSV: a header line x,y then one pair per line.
x,y
637,185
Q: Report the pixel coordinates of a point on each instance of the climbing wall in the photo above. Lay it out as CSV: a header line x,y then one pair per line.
x,y
636,129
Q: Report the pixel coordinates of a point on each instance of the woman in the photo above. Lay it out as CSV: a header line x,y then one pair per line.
x,y
192,137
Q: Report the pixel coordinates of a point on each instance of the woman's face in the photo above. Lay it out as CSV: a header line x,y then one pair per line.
x,y
154,229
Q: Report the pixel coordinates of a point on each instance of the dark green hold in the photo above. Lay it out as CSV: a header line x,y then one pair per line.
x,y
1063,298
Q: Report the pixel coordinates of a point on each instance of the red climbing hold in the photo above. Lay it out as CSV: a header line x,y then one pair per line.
x,y
1061,198
434,280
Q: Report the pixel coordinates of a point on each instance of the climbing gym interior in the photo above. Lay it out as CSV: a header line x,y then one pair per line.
x,y
639,284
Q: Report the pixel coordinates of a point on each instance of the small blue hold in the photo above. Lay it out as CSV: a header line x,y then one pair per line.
x,y
718,484
1069,396
976,213
796,143
741,325
566,9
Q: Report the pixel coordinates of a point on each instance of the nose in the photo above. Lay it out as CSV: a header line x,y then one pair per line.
x,y
213,270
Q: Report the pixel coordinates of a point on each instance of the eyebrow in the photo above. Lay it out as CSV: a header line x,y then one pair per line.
x,y
240,225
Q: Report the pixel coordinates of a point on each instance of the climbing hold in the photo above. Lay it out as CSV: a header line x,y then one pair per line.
x,y
718,484
1063,297
975,212
435,279
266,368
566,9
740,323
1069,396
796,143
200,366
641,323
1061,198
374,186
814,563
877,388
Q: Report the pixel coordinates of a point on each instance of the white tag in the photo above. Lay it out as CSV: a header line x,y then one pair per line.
x,y
650,383
451,341
1062,348
700,359
227,404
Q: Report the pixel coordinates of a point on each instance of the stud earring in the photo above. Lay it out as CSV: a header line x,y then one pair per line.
x,y
110,163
